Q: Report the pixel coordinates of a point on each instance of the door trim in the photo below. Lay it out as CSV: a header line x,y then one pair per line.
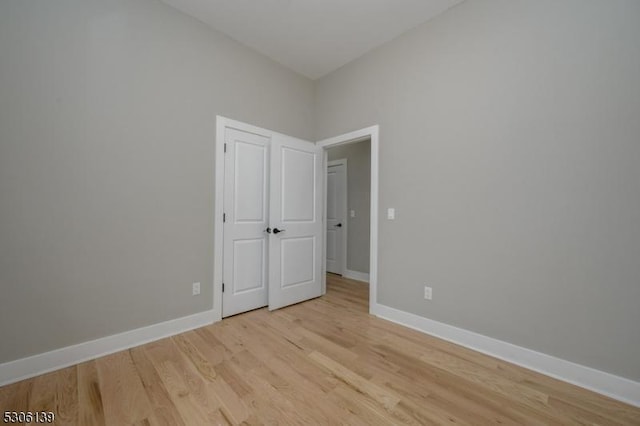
x,y
371,133
345,213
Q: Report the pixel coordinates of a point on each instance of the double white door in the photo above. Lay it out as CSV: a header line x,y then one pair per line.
x,y
272,221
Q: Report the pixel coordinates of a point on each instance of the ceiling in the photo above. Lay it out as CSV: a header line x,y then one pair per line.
x,y
313,37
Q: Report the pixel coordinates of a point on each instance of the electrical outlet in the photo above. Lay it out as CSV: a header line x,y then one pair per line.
x,y
427,293
196,289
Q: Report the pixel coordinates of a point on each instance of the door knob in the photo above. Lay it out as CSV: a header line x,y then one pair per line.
x,y
268,230
339,225
277,231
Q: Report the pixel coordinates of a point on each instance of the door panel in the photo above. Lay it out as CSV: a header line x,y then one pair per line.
x,y
336,217
246,210
248,252
295,209
298,185
250,187
297,256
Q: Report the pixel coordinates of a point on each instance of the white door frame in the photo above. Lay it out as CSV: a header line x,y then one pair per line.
x,y
345,213
371,133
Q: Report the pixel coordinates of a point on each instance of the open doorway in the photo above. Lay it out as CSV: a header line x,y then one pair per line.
x,y
348,210
351,215
336,216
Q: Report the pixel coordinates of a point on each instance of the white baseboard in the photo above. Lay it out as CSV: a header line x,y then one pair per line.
x,y
14,371
356,275
616,387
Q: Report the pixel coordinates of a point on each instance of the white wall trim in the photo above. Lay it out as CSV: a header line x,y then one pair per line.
x,y
616,387
372,133
14,371
356,275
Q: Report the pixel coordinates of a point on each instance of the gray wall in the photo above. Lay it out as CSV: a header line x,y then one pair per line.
x,y
107,126
510,149
358,157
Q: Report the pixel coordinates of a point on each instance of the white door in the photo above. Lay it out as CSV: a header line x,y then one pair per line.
x,y
246,216
295,248
336,216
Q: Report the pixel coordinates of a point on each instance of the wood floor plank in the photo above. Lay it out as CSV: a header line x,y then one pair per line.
x,y
324,361
282,349
191,393
267,404
238,384
43,397
90,406
360,406
124,398
384,397
212,350
164,409
231,405
56,392
16,397
219,419
317,343
193,354
190,403
302,388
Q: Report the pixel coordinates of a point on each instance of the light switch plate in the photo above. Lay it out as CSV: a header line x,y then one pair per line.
x,y
428,293
352,213
391,213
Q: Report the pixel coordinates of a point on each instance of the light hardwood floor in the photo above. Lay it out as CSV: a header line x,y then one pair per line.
x,y
325,361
